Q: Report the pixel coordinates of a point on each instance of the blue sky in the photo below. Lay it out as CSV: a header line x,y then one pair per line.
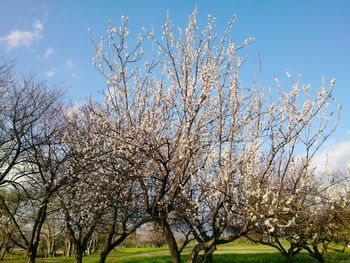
x,y
310,37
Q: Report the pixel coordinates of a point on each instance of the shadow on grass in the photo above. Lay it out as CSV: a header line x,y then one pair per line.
x,y
246,258
218,258
260,258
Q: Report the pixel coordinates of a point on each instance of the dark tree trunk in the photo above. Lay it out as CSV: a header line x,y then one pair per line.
x,y
111,245
315,253
79,252
289,258
80,243
174,250
319,258
31,253
289,255
104,254
35,237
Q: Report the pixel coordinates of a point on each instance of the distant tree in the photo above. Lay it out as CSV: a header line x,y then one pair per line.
x,y
52,235
152,235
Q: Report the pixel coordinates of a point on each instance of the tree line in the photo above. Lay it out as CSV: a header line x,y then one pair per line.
x,y
178,142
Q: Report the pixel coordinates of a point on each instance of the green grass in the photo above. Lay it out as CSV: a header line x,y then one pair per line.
x,y
231,253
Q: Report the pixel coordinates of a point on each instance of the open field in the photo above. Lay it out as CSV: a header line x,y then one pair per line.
x,y
237,253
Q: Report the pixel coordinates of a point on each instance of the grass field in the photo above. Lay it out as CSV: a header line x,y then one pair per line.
x,y
237,253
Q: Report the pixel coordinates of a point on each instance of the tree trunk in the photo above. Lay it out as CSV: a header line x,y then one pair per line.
x,y
79,252
53,249
48,244
31,253
68,246
208,254
7,249
2,255
174,250
209,247
289,258
35,238
4,252
111,245
319,258
317,254
194,253
104,254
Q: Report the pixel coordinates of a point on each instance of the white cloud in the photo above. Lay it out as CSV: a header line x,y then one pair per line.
x,y
51,73
335,158
49,51
19,38
38,26
69,63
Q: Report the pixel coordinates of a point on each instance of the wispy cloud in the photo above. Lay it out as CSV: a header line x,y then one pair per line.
x,y
48,52
21,38
38,26
69,63
76,76
51,73
335,158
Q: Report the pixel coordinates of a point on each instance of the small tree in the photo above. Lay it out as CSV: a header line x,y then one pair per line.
x,y
83,201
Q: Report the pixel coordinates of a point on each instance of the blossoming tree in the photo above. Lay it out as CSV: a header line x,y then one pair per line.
x,y
202,146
